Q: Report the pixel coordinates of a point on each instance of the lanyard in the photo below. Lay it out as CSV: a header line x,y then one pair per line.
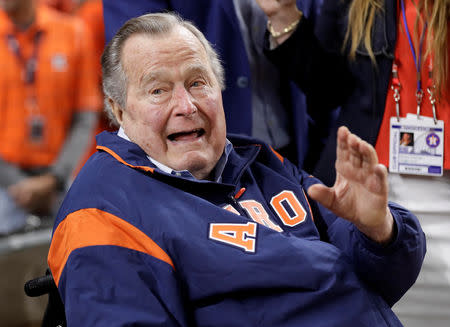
x,y
417,59
431,89
396,88
30,64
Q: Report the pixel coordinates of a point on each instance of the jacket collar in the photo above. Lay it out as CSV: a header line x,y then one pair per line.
x,y
130,154
124,151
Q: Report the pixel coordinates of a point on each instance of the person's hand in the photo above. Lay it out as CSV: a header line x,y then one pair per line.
x,y
281,14
35,194
360,192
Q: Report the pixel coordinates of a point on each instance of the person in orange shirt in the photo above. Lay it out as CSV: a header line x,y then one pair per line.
x,y
49,101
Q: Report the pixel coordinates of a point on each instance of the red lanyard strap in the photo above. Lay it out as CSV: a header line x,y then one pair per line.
x,y
431,88
395,86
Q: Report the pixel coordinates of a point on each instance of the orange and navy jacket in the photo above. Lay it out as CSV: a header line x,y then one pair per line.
x,y
133,245
65,82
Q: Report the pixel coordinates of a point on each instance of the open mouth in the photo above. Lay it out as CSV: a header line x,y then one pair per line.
x,y
189,135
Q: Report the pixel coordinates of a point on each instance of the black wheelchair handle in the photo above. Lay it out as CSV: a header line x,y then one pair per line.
x,y
40,286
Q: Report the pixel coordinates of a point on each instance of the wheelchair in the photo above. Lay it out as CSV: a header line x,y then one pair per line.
x,y
54,315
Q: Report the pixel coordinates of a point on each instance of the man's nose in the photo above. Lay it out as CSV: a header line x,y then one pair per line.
x,y
183,102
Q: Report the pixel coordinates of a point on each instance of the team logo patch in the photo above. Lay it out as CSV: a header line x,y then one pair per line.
x,y
433,140
242,236
59,62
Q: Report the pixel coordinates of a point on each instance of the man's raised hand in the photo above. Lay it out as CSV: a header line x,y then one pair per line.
x,y
360,191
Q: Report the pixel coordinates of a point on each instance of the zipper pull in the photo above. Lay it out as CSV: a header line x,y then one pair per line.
x,y
236,205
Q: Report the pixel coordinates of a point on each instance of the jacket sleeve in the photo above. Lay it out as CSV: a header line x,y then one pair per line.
x,y
389,270
76,144
109,273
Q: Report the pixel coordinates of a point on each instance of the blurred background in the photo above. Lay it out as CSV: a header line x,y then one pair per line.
x,y
23,257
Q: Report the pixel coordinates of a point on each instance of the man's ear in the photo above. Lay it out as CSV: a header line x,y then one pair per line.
x,y
117,110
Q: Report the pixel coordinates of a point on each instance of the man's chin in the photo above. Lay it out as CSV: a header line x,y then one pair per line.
x,y
196,163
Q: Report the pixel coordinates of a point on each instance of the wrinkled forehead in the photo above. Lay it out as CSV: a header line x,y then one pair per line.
x,y
176,48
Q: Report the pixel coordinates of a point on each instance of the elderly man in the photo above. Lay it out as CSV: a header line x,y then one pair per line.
x,y
171,223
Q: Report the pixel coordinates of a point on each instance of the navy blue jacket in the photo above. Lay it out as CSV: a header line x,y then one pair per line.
x,y
218,21
134,246
312,57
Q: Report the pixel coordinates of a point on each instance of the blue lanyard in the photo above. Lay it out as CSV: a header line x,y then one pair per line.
x,y
417,60
30,65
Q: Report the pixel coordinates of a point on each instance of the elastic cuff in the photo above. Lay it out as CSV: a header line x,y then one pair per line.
x,y
380,249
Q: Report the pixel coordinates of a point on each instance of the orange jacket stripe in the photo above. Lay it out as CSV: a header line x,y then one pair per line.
x,y
118,158
306,198
279,156
91,227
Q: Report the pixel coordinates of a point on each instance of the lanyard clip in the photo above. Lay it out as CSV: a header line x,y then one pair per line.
x,y
430,91
419,97
396,88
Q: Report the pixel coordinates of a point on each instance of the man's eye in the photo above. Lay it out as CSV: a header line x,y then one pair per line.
x,y
197,83
156,92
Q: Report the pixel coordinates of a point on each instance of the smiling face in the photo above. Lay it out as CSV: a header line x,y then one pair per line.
x,y
174,108
406,139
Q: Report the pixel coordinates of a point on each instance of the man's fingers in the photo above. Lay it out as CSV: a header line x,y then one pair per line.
x,y
348,154
381,186
354,154
369,155
342,153
322,194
